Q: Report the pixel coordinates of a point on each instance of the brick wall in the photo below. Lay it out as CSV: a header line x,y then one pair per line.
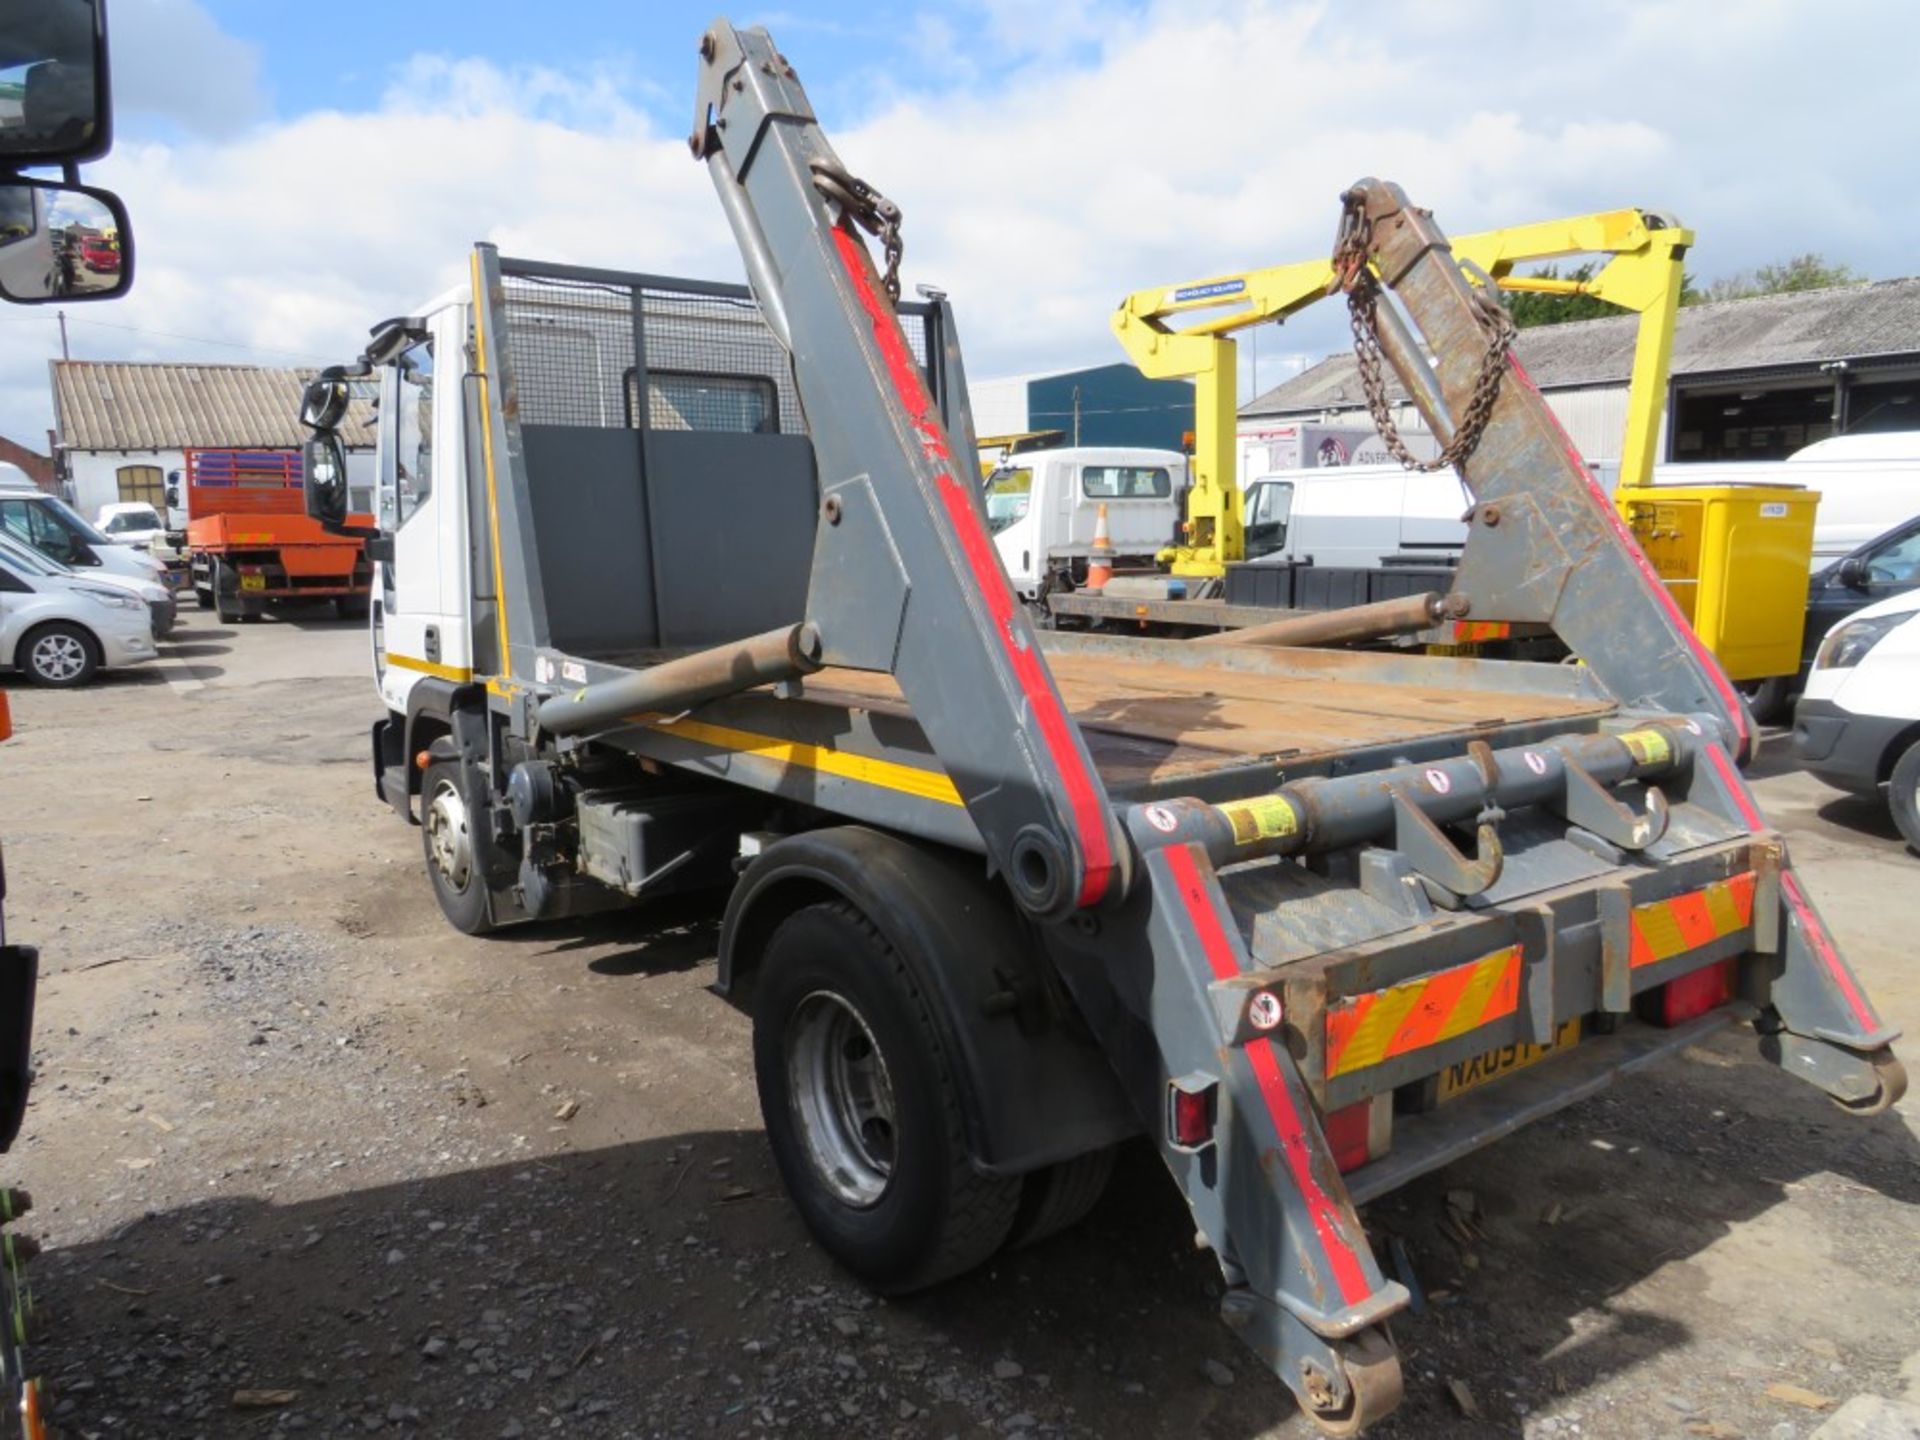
x,y
39,467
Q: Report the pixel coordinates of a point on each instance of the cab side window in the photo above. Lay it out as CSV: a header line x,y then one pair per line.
x,y
414,433
1898,564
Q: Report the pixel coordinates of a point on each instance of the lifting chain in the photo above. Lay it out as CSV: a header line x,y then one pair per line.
x,y
869,209
1352,250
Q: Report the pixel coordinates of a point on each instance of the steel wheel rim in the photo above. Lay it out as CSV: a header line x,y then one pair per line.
x,y
448,841
842,1098
59,657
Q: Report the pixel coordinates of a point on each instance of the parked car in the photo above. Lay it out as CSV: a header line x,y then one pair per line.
x,y
59,628
1858,725
130,523
57,531
1886,565
163,609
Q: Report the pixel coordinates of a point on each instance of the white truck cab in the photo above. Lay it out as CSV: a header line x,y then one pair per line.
x,y
1857,725
1042,507
422,618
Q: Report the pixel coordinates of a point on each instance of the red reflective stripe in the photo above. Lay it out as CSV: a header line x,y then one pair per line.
x,y
1823,947
1715,676
1327,1216
1084,795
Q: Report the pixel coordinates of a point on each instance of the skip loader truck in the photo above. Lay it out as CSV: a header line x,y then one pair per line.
x,y
683,584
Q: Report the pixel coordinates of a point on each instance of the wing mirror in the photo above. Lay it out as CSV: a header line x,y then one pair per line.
x,y
323,405
62,242
53,65
1855,573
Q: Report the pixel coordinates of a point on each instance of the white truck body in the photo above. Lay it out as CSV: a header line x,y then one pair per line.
x,y
1043,507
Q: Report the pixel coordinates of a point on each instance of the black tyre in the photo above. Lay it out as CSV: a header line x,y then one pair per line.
x,y
350,607
862,1111
203,598
1060,1196
223,583
1903,795
448,837
1770,700
58,654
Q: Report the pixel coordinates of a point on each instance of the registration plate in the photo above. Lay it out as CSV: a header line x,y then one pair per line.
x,y
253,582
1477,1070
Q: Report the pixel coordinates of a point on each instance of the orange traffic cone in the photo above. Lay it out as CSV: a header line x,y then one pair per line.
x,y
1100,558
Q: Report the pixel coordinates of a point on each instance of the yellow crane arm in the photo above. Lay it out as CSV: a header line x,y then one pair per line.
x,y
1643,276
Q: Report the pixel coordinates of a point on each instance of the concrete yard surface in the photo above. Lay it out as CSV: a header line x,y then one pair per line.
x,y
309,1162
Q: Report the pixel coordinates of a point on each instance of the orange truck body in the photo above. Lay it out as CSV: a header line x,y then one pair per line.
x,y
248,514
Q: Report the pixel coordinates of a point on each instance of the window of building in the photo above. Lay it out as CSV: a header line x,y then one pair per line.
x,y
142,485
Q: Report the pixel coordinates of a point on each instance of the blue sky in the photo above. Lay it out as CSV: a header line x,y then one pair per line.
x,y
297,172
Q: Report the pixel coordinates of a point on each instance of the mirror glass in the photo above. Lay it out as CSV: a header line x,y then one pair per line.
x,y
325,479
59,243
324,405
51,105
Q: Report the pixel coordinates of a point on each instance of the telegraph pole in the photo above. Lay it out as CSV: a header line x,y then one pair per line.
x,y
64,355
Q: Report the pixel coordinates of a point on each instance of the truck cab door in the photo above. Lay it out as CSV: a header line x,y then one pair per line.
x,y
1269,507
422,626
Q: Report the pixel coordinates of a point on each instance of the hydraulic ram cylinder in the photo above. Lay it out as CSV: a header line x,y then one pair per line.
x,y
676,684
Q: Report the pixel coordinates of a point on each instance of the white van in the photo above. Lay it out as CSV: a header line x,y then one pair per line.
x,y
1042,507
1858,724
1354,515
59,629
56,530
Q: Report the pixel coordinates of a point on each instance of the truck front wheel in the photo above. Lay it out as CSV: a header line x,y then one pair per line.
x,y
1903,795
447,830
862,1110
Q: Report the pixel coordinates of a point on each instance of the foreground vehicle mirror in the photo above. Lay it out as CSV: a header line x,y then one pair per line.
x,y
53,67
62,242
325,479
323,405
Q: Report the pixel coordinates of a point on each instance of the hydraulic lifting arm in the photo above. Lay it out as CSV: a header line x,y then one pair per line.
x,y
905,578
1643,276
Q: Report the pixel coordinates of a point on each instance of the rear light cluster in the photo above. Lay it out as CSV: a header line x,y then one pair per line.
x,y
1361,1131
1692,995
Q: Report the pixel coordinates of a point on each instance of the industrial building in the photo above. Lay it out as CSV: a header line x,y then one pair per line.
x,y
1100,405
122,429
1752,379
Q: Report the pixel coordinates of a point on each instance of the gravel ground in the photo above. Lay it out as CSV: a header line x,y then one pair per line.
x,y
294,1137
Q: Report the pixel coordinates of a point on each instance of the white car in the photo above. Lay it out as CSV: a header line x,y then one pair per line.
x,y
130,523
1858,724
59,628
58,531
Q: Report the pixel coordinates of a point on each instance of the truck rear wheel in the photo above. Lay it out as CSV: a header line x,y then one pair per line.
x,y
861,1107
223,584
447,828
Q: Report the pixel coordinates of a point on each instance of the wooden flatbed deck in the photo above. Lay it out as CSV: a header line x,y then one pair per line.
x,y
1153,721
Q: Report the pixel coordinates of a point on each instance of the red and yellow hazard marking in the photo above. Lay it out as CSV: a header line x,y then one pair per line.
x,y
1666,928
1364,1030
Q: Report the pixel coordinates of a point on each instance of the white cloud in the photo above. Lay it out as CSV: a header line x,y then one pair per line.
x,y
1110,150
172,62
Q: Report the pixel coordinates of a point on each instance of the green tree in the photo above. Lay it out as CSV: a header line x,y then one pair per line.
x,y
1531,307
1811,271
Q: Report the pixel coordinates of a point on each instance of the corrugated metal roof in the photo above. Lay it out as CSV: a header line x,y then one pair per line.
x,y
1848,322
115,406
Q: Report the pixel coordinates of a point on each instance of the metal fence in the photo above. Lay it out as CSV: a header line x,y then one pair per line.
x,y
708,359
